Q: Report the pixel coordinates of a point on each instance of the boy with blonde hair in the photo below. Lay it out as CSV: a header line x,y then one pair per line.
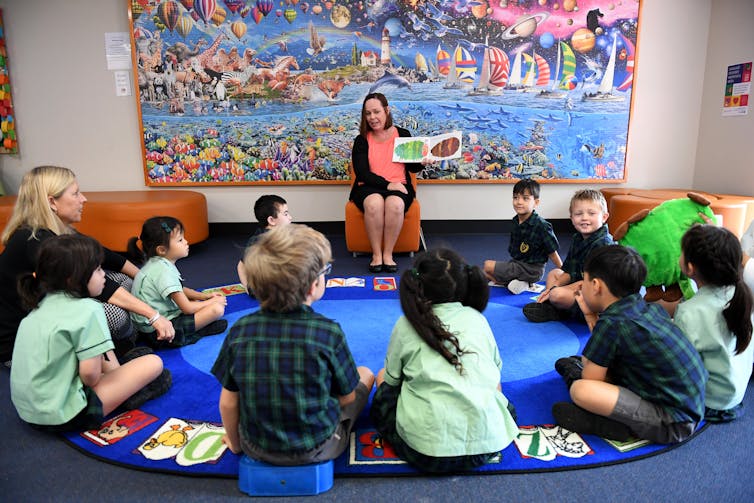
x,y
588,211
290,389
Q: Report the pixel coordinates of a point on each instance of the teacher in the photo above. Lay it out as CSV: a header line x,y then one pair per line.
x,y
49,202
382,188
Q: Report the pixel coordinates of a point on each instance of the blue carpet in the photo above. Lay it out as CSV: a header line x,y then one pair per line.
x,y
181,431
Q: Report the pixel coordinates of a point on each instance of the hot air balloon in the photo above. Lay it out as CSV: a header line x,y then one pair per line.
x,y
256,14
279,13
205,9
234,5
185,24
317,9
219,16
290,14
238,28
141,32
168,13
188,4
265,6
328,5
245,11
304,7
136,9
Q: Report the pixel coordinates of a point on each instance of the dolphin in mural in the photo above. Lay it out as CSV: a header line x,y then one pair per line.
x,y
388,79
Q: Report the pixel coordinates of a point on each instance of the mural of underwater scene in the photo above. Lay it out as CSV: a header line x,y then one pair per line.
x,y
270,91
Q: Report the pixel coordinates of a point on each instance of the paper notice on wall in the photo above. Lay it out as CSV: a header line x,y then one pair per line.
x,y
118,50
737,90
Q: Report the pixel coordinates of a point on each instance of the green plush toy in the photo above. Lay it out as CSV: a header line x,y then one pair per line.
x,y
656,235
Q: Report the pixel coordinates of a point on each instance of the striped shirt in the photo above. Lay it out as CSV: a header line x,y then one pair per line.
x,y
580,250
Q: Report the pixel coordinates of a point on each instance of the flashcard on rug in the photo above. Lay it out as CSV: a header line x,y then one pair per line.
x,y
366,447
532,443
189,442
628,445
566,443
384,283
205,446
227,289
115,429
346,282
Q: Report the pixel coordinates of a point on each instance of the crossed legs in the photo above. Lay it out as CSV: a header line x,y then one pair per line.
x,y
383,218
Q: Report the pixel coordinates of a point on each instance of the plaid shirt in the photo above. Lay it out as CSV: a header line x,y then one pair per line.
x,y
646,353
580,249
532,241
289,370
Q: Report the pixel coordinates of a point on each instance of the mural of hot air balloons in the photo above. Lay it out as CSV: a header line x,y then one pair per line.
x,y
245,11
188,4
168,13
256,14
205,9
234,5
185,24
290,14
265,6
238,28
219,16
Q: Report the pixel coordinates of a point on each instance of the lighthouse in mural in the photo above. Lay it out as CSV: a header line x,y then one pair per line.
x,y
385,53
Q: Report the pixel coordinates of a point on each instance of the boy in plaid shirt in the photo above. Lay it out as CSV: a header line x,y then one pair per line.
x,y
639,375
532,242
291,391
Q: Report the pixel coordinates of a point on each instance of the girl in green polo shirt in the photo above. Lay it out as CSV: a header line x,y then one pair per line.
x,y
439,402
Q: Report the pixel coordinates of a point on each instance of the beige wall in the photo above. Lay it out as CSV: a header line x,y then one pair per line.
x,y
67,112
725,151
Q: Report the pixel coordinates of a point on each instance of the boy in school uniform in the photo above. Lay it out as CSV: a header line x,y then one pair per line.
x,y
290,389
588,211
639,374
270,211
532,242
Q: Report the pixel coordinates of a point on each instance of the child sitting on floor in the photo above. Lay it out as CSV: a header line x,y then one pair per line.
x,y
639,374
270,211
65,375
588,214
718,318
439,401
291,392
159,284
532,242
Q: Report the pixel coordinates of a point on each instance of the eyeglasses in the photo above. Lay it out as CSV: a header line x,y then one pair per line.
x,y
326,270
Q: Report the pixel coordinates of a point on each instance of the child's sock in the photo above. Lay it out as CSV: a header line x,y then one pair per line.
x,y
574,418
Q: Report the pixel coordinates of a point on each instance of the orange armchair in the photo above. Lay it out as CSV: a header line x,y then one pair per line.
x,y
410,239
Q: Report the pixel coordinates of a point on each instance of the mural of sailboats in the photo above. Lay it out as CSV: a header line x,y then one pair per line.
x,y
566,81
605,91
494,73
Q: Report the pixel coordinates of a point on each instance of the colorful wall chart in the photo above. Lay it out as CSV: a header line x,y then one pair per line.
x,y
270,91
9,143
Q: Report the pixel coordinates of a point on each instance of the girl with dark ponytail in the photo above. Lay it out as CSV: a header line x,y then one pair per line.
x,y
439,402
718,319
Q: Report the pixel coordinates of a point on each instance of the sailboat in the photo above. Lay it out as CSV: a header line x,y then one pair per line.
x,y
443,60
515,83
543,73
630,54
421,63
605,91
462,69
565,83
494,73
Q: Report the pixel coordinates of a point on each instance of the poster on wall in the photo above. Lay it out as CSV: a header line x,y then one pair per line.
x,y
737,90
270,91
8,140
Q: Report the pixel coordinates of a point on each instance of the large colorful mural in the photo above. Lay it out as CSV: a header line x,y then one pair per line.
x,y
270,91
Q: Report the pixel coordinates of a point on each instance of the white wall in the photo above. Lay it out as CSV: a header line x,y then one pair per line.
x,y
67,112
725,151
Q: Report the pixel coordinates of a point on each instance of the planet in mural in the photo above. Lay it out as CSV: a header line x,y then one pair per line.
x,y
524,26
340,16
583,40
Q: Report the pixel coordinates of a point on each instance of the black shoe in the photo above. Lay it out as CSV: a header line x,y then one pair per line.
x,y
574,418
216,327
135,353
391,268
540,312
158,387
570,368
376,268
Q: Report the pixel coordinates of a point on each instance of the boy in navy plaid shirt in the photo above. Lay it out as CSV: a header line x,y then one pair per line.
x,y
532,242
639,375
291,391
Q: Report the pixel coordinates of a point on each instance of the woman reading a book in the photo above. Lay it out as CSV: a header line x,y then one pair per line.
x,y
382,188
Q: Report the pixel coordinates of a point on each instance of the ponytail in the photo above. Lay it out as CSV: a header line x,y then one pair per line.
x,y
737,315
30,291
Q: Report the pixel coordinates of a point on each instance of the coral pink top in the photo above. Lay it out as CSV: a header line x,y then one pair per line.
x,y
381,159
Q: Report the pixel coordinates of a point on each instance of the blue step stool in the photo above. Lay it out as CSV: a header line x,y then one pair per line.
x,y
257,478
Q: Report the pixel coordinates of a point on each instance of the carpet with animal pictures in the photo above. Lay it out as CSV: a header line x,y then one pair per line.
x,y
181,431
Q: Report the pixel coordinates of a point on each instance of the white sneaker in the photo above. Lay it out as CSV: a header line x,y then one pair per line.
x,y
517,286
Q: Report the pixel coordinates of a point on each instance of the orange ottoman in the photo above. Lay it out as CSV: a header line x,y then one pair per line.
x,y
6,210
115,217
